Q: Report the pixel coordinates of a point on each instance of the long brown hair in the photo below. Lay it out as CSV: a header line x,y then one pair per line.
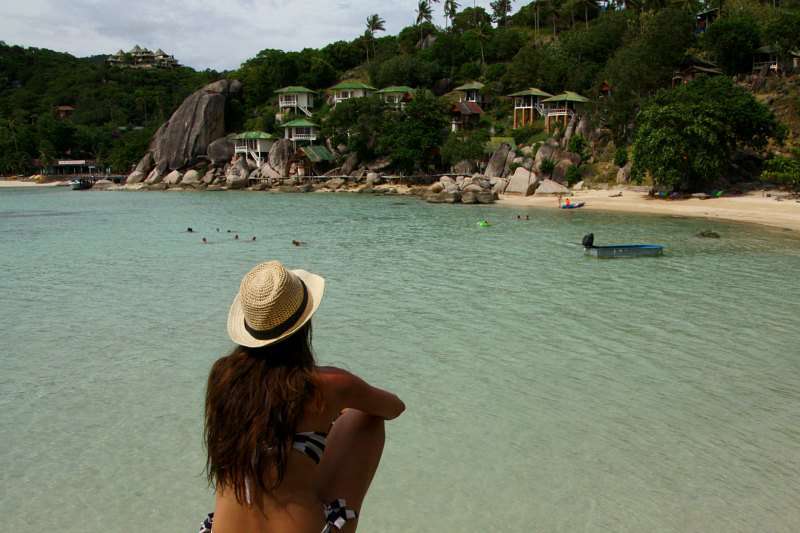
x,y
254,400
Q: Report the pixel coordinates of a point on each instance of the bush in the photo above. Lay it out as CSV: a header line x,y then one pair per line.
x,y
621,156
524,135
457,148
547,166
731,41
573,175
577,145
782,171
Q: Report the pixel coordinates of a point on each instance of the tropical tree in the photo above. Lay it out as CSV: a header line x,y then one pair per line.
x,y
450,10
424,14
500,11
374,24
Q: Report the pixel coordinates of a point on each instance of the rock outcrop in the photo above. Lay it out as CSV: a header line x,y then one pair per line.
x,y
280,156
500,162
550,187
523,182
220,151
185,138
465,189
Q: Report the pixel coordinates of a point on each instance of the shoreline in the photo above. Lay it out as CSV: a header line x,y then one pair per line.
x,y
751,208
18,184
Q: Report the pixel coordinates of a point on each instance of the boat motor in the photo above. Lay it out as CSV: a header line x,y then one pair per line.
x,y
588,241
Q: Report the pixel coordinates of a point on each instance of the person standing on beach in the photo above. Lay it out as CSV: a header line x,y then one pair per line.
x,y
291,446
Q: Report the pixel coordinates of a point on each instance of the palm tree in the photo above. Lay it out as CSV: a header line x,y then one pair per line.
x,y
374,24
450,10
424,14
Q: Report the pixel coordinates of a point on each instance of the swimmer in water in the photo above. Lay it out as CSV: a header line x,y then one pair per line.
x,y
527,217
236,238
205,241
217,230
189,230
254,238
298,243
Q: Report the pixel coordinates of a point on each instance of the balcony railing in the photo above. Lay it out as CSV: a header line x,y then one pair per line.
x,y
303,137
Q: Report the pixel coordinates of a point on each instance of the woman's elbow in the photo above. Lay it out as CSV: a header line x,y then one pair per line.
x,y
397,408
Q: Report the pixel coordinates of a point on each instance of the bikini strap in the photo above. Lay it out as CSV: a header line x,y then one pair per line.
x,y
337,513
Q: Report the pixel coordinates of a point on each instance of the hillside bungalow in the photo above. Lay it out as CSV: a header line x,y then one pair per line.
x,y
691,68
139,57
397,96
294,100
465,115
308,160
528,106
350,89
301,130
562,107
765,59
704,19
470,92
64,111
795,59
254,145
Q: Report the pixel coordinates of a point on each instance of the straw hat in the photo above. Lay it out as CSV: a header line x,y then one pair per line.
x,y
273,303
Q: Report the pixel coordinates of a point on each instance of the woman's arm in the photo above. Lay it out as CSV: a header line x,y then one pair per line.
x,y
350,391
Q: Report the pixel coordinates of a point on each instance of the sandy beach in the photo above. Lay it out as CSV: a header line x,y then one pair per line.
x,y
755,207
4,184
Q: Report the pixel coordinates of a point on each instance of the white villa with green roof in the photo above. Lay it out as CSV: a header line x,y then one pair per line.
x,y
528,106
301,130
562,107
295,100
397,96
254,145
350,89
471,92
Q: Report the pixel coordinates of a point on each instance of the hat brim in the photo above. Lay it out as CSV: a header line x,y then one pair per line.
x,y
315,285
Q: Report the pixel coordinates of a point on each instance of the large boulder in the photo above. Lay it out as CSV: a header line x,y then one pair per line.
x,y
146,164
173,178
499,186
379,164
437,187
560,170
469,197
334,184
499,162
135,177
464,166
350,164
550,150
443,197
238,175
280,156
191,179
485,197
268,172
550,188
220,151
373,178
197,122
623,174
154,177
523,182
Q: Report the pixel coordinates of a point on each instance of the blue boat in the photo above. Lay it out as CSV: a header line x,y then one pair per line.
x,y
573,206
620,250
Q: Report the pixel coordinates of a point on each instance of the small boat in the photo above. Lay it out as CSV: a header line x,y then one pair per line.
x,y
620,250
81,184
573,206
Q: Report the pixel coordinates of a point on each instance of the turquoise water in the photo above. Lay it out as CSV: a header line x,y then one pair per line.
x,y
546,391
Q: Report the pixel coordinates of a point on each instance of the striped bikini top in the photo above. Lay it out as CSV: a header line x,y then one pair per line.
x,y
311,443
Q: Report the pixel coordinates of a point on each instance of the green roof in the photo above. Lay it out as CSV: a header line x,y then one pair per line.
x,y
252,135
345,85
397,89
293,89
533,91
473,85
494,143
317,154
299,123
567,96
767,49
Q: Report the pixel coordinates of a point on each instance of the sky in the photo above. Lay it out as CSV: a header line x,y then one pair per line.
x,y
216,34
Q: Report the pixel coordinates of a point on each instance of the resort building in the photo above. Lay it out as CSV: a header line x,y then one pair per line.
x,y
562,107
294,100
309,158
301,130
528,107
350,89
464,115
397,96
693,67
139,57
253,145
765,59
704,19
470,92
64,111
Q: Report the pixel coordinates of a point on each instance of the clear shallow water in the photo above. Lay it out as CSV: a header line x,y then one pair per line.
x,y
546,391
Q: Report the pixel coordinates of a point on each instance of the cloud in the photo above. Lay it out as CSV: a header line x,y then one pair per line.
x,y
217,34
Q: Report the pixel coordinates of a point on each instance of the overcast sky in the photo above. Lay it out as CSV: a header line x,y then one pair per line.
x,y
217,34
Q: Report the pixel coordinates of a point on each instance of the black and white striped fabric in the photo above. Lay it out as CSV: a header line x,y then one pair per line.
x,y
311,443
205,526
337,513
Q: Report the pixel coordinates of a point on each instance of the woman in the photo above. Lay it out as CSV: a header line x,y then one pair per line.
x,y
292,447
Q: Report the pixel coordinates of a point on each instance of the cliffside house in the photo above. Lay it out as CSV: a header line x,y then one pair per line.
x,y
691,68
471,92
64,111
397,96
562,107
253,145
309,160
528,106
300,130
350,89
139,57
294,100
766,60
465,115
